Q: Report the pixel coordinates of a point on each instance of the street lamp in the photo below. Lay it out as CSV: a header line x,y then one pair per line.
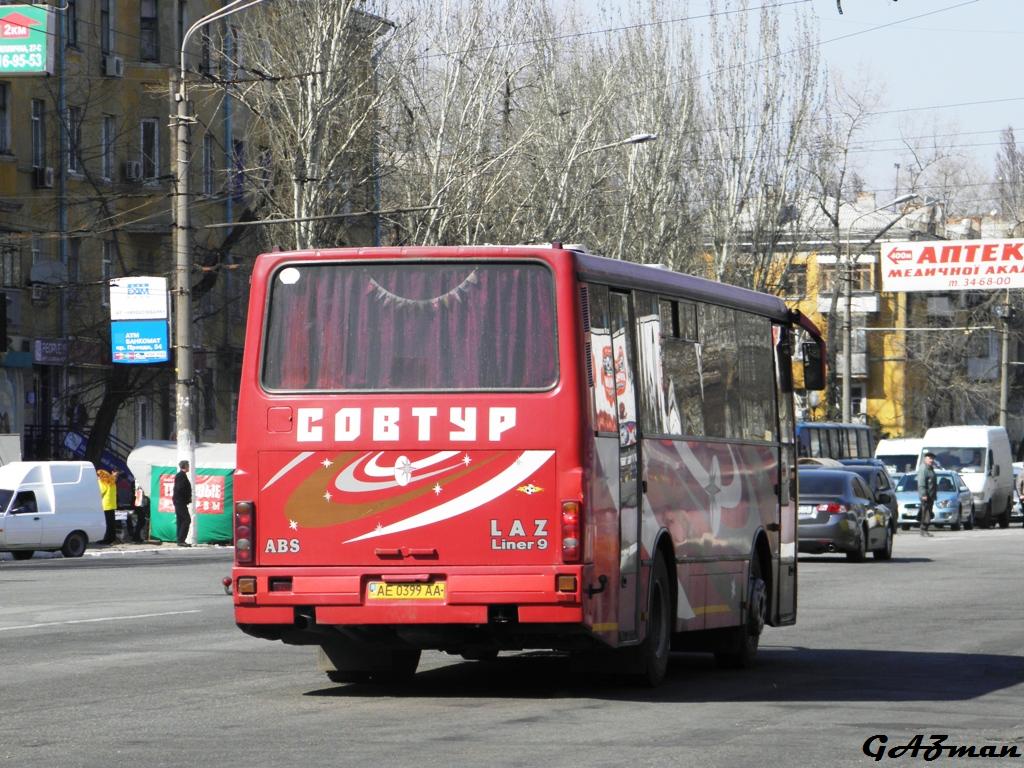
x,y
848,296
636,138
180,123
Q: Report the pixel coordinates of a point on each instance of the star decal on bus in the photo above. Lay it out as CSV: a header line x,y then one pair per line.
x,y
293,524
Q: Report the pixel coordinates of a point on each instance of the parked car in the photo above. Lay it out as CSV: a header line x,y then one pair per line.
x,y
954,503
49,505
876,475
838,513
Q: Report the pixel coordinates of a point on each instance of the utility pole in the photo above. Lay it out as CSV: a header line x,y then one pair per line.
x,y
181,122
848,291
183,368
1004,361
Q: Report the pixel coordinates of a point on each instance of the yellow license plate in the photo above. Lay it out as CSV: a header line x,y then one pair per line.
x,y
383,590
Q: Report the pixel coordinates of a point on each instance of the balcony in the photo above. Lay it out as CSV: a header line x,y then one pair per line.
x,y
863,303
858,361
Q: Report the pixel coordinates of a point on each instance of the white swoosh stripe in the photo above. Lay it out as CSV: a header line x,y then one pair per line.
x,y
527,463
347,482
373,469
287,468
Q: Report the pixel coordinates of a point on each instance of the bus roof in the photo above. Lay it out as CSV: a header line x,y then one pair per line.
x,y
600,269
589,267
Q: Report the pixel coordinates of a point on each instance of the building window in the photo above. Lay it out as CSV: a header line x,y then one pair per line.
x,y
106,28
74,139
5,117
182,23
794,282
36,250
38,133
150,144
208,154
143,418
149,31
106,270
206,56
71,14
238,170
74,262
108,129
10,265
861,276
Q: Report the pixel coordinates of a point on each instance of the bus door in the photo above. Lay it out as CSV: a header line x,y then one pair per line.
x,y
624,358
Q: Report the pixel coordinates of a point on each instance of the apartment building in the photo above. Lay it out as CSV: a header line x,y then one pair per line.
x,y
86,195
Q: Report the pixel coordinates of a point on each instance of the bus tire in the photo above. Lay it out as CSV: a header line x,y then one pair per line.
x,y
747,636
649,660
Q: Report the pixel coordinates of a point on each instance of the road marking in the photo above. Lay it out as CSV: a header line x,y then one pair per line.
x,y
102,618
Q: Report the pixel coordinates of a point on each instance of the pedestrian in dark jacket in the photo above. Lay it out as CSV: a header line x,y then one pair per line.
x,y
182,498
927,486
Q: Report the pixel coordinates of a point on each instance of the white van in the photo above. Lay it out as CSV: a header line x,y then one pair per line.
x,y
899,454
982,457
49,505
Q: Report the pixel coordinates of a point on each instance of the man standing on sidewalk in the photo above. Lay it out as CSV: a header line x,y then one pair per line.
x,y
926,488
182,498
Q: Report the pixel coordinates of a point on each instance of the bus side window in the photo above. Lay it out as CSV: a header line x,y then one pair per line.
x,y
601,363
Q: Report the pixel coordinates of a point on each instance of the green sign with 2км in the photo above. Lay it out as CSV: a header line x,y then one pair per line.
x,y
26,40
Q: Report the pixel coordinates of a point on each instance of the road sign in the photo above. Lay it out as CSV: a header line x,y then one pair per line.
x,y
135,342
27,35
138,298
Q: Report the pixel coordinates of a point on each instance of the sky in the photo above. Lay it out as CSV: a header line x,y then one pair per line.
x,y
945,66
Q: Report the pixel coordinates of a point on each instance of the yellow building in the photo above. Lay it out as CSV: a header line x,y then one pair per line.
x,y
815,282
86,192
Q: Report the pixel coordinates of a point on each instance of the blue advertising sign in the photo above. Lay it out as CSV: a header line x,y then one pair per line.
x,y
134,342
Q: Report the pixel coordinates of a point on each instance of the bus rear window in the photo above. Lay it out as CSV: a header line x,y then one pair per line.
x,y
411,326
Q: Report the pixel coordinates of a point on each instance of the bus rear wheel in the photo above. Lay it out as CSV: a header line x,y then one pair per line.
x,y
649,660
747,636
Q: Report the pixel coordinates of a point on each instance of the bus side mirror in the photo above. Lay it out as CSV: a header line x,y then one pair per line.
x,y
814,366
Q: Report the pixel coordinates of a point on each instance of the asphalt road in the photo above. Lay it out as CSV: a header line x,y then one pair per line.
x,y
134,660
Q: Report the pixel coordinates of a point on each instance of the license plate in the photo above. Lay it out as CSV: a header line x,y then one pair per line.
x,y
808,510
385,590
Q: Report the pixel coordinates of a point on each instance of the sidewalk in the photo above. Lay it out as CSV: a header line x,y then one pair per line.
x,y
153,545
121,548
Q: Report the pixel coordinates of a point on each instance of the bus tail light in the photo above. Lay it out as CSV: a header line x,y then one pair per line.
x,y
245,519
570,531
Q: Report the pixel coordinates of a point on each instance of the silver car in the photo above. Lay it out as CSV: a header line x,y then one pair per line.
x,y
953,506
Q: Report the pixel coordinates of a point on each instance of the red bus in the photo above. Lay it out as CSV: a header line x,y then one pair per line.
x,y
479,449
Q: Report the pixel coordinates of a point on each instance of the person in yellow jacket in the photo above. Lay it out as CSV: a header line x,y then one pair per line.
x,y
108,495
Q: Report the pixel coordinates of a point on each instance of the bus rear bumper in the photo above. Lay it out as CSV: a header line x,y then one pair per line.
x,y
341,596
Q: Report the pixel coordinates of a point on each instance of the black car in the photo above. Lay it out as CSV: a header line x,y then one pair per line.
x,y
880,483
838,513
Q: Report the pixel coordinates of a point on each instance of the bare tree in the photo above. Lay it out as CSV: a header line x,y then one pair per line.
x,y
308,151
1009,181
756,136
